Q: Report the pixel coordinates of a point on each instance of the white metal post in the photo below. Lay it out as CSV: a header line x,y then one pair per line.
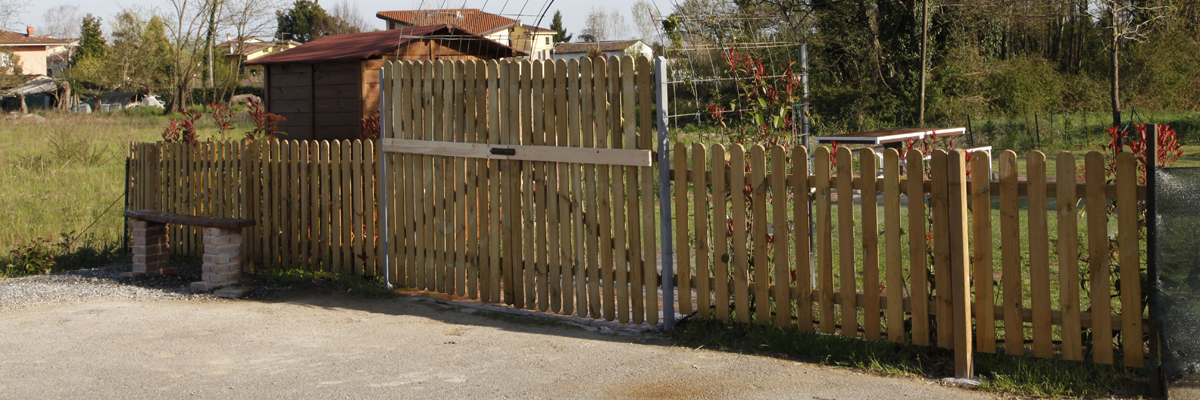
x,y
664,196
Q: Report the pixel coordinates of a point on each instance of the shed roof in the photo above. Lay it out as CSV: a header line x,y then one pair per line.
x,y
471,19
362,46
20,39
582,47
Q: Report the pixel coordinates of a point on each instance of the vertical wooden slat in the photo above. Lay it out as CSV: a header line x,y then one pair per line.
x,y
493,197
602,119
762,265
325,218
721,256
460,179
981,225
551,185
632,246
917,262
646,176
1068,257
471,244
939,198
1098,258
334,204
891,239
846,258
449,176
538,231
269,204
576,140
305,207
1128,257
443,76
824,238
370,215
779,197
588,123
312,175
510,82
295,192
565,182
739,255
526,201
1010,256
427,186
700,193
683,263
802,225
357,213
1039,255
350,194
959,264
870,244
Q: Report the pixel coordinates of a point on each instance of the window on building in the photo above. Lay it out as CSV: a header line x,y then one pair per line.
x,y
547,40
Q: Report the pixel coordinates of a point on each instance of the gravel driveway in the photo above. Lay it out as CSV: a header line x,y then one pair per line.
x,y
92,334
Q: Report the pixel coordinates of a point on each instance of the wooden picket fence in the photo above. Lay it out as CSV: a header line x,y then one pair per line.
x,y
743,248
314,202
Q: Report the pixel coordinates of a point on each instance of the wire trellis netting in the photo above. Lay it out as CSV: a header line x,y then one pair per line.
x,y
1177,209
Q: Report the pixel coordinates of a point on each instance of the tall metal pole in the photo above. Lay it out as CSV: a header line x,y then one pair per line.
x,y
664,194
805,126
383,183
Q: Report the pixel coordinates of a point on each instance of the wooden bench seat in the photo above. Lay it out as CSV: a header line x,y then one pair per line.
x,y
222,260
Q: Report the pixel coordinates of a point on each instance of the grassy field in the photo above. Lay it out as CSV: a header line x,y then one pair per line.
x,y
62,177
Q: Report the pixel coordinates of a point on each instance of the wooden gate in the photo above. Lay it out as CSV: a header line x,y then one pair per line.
x,y
524,182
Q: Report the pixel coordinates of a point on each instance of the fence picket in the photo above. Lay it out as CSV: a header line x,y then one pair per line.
x,y
1010,255
870,244
779,190
566,197
824,215
917,262
588,122
1127,239
1098,256
740,252
981,225
683,264
493,200
762,268
305,207
721,257
847,275
802,226
700,192
1068,258
891,240
579,252
939,197
1039,254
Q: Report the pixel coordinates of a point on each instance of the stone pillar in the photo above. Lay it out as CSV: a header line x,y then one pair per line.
x,y
150,249
222,259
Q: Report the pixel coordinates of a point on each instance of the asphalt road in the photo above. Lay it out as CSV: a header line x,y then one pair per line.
x,y
317,345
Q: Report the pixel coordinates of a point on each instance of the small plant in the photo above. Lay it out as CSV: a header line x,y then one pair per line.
x,y
764,102
182,129
370,128
35,257
222,115
266,125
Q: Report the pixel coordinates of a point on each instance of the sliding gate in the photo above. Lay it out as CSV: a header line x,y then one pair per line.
x,y
527,182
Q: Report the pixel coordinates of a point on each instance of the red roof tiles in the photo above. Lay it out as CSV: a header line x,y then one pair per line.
x,y
471,19
361,46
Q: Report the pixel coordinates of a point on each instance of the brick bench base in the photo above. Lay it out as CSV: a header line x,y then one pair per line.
x,y
222,246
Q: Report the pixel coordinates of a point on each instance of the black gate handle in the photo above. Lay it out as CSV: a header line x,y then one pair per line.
x,y
503,151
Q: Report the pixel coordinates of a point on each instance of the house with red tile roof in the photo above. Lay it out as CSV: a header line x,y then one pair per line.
x,y
529,39
30,51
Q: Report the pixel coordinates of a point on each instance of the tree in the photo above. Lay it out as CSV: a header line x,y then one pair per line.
x,y
303,22
10,10
61,22
644,15
1124,20
560,33
185,29
344,17
604,24
91,40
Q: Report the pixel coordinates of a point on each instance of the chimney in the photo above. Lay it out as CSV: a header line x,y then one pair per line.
x,y
29,31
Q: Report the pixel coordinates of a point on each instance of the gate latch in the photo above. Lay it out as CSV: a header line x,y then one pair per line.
x,y
503,151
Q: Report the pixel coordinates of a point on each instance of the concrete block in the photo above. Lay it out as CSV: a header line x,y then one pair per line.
x,y
217,232
222,249
222,240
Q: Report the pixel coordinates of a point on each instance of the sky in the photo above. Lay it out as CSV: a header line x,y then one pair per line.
x,y
574,11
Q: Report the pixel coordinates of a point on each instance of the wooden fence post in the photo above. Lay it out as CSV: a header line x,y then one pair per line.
x,y
959,263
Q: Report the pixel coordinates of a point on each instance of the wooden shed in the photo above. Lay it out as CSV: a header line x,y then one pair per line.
x,y
326,87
